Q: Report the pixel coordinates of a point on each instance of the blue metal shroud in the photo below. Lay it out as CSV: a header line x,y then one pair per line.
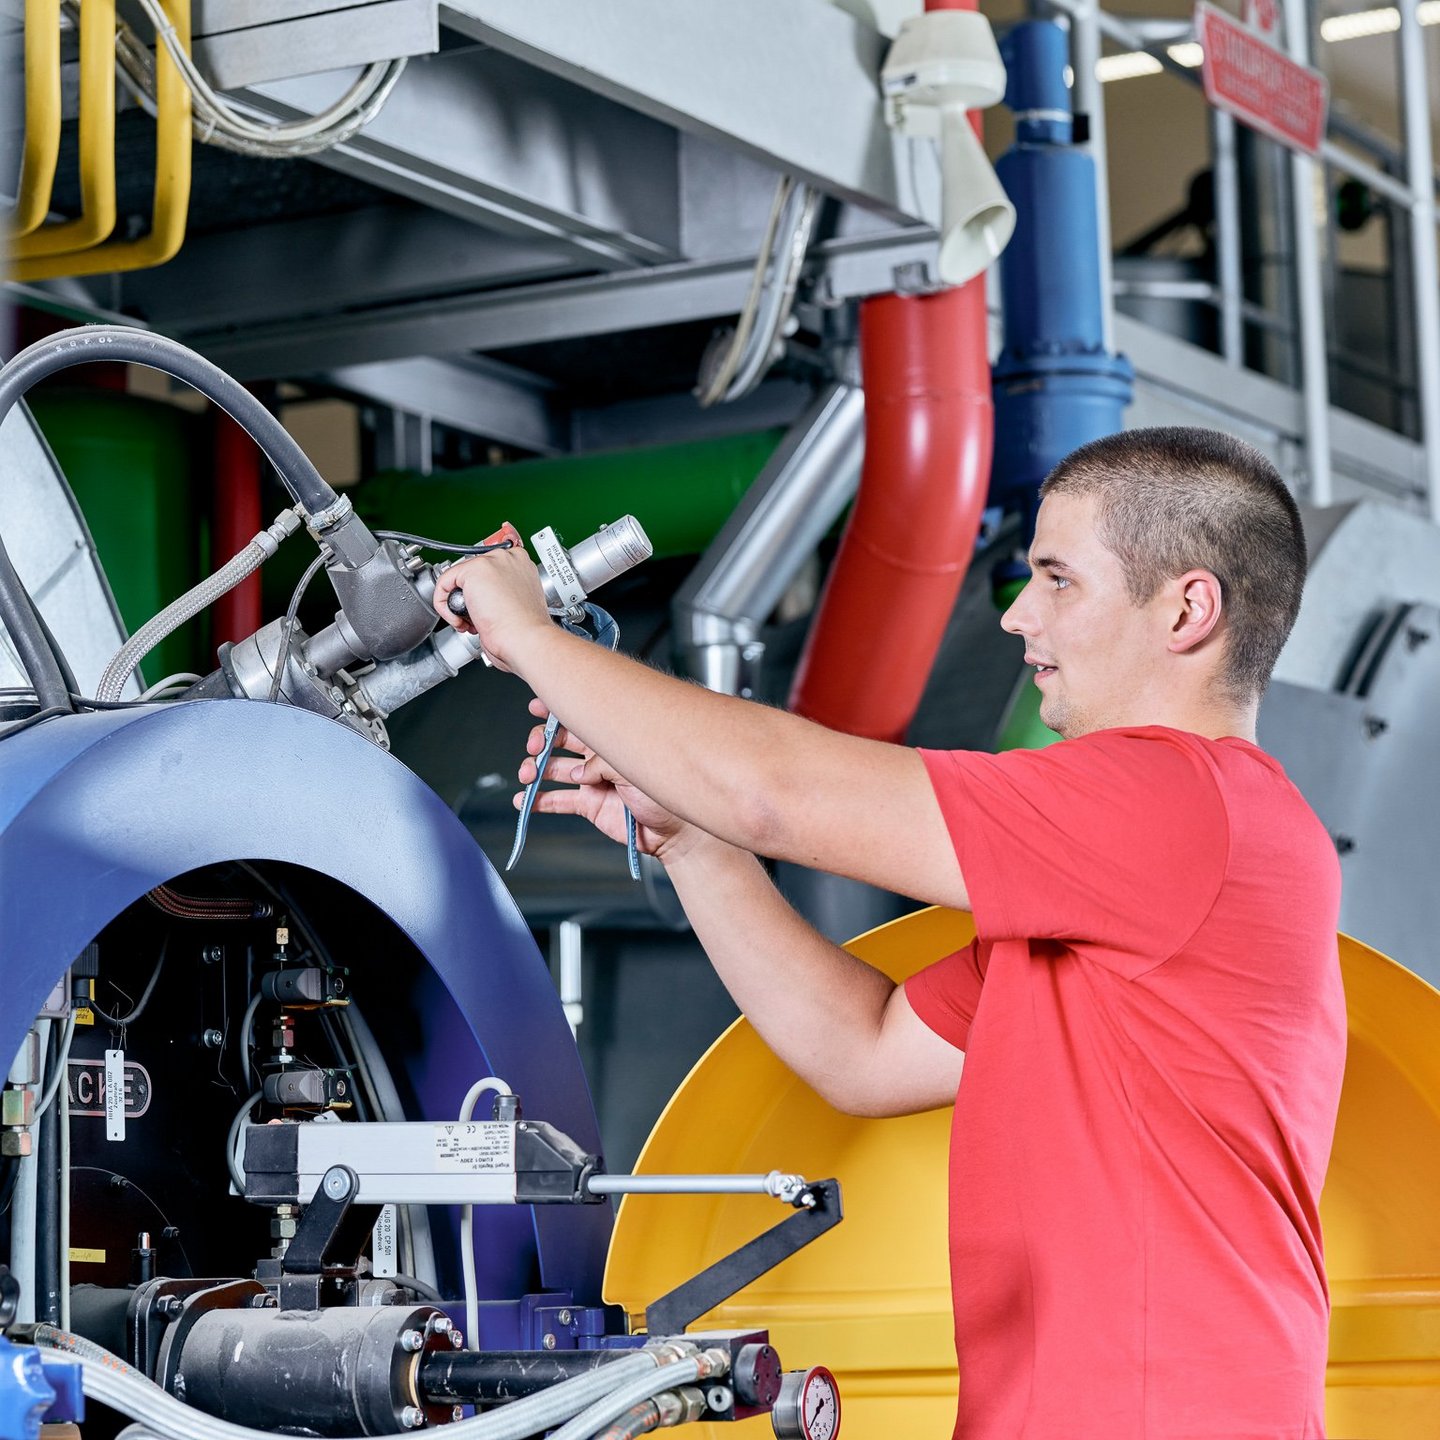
x,y
96,809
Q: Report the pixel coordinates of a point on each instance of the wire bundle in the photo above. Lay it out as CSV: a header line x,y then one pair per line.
x,y
755,342
206,907
220,122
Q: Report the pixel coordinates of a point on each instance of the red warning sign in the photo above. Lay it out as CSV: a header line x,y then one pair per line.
x,y
1259,84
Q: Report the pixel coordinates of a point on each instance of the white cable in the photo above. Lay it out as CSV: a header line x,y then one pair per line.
x,y
232,1141
220,121
467,1215
180,679
53,1087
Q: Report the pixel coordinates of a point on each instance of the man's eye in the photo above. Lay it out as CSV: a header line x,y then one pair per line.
x,y
1060,582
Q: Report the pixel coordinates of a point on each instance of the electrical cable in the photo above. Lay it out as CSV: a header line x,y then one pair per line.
x,y
287,630
247,1034
119,1022
15,727
445,545
110,1380
424,1291
180,679
219,121
52,1086
65,1198
232,1141
467,1213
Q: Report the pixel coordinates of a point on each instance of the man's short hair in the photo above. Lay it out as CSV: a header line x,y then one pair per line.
x,y
1176,498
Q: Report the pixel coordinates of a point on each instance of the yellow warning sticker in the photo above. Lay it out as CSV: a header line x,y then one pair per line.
x,y
79,1256
84,1015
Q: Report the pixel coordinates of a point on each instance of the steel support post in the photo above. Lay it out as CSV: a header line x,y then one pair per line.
x,y
1314,365
1227,238
1090,102
1420,165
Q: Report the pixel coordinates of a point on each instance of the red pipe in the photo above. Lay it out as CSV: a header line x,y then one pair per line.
x,y
237,520
928,434
929,430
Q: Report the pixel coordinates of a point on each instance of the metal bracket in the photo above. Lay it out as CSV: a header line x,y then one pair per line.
x,y
819,1209
332,1232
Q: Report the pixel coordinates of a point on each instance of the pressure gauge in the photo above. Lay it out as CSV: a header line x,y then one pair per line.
x,y
808,1407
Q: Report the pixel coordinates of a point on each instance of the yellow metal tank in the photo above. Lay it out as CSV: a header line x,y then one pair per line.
x,y
871,1299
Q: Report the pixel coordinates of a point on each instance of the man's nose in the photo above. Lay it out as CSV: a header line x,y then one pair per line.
x,y
1018,620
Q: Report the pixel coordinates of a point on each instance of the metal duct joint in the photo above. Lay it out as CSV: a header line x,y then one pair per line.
x,y
750,564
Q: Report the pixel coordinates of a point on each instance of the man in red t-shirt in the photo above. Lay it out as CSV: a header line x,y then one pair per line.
x,y
1150,1022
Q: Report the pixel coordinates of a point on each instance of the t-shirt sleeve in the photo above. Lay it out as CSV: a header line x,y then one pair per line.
x,y
1117,841
945,995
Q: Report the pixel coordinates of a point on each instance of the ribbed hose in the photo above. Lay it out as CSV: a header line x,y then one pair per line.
x,y
189,605
108,1379
637,1421
611,1407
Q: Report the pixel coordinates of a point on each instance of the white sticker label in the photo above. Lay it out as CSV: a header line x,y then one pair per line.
x,y
556,560
384,1251
475,1147
114,1094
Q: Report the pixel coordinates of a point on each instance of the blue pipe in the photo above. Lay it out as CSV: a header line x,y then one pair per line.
x,y
1056,386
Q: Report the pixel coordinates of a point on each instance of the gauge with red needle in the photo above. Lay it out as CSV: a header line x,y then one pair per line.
x,y
808,1406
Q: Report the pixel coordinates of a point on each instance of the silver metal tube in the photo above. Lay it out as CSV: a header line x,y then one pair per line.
x,y
1087,21
1227,238
775,1183
1420,168
752,561
1314,364
570,955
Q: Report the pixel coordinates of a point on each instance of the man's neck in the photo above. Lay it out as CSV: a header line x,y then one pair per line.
x,y
1215,719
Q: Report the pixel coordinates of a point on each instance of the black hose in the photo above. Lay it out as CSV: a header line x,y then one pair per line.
x,y
113,343
138,1008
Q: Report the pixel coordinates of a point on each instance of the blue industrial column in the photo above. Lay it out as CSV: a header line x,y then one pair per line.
x,y
1056,386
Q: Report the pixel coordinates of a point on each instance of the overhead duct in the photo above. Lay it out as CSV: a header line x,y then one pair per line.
x,y
739,580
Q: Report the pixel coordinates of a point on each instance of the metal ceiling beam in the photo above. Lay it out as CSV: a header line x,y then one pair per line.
x,y
494,141
292,270
478,397
794,85
557,310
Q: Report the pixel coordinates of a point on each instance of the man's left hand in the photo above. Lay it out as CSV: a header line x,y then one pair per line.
x,y
503,598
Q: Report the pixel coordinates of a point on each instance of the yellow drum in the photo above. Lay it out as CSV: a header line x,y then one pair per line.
x,y
871,1299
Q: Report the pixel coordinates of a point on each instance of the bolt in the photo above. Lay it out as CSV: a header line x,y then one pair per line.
x,y
213,955
719,1399
1375,725
1415,638
212,1039
457,1412
411,1341
337,1184
441,1325
457,1340
412,1417
1344,844
548,1342
169,1306
340,1087
564,1317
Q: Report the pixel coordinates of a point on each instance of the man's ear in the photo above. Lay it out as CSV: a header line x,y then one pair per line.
x,y
1197,613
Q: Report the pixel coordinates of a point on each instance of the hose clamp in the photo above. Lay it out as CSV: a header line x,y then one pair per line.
x,y
326,519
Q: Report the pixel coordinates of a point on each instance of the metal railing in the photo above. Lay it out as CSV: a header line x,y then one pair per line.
x,y
1414,195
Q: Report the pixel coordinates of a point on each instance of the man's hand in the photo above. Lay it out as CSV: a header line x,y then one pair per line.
x,y
503,598
601,794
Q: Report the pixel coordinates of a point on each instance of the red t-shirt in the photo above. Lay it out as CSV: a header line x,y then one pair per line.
x,y
1154,1036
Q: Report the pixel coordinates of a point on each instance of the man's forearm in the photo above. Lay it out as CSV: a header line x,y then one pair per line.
x,y
706,757
816,1006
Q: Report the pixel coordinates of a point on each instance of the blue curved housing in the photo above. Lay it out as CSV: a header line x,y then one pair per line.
x,y
97,809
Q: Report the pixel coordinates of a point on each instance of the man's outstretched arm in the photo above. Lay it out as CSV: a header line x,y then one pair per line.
x,y
847,1030
761,779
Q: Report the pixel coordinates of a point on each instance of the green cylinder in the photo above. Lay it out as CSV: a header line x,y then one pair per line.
x,y
681,494
128,461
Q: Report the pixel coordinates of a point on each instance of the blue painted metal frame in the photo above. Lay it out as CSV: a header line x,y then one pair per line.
x,y
97,809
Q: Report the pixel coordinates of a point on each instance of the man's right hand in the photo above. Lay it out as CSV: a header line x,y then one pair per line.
x,y
597,791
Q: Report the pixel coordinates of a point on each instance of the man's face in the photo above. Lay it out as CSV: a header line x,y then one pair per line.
x,y
1096,654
